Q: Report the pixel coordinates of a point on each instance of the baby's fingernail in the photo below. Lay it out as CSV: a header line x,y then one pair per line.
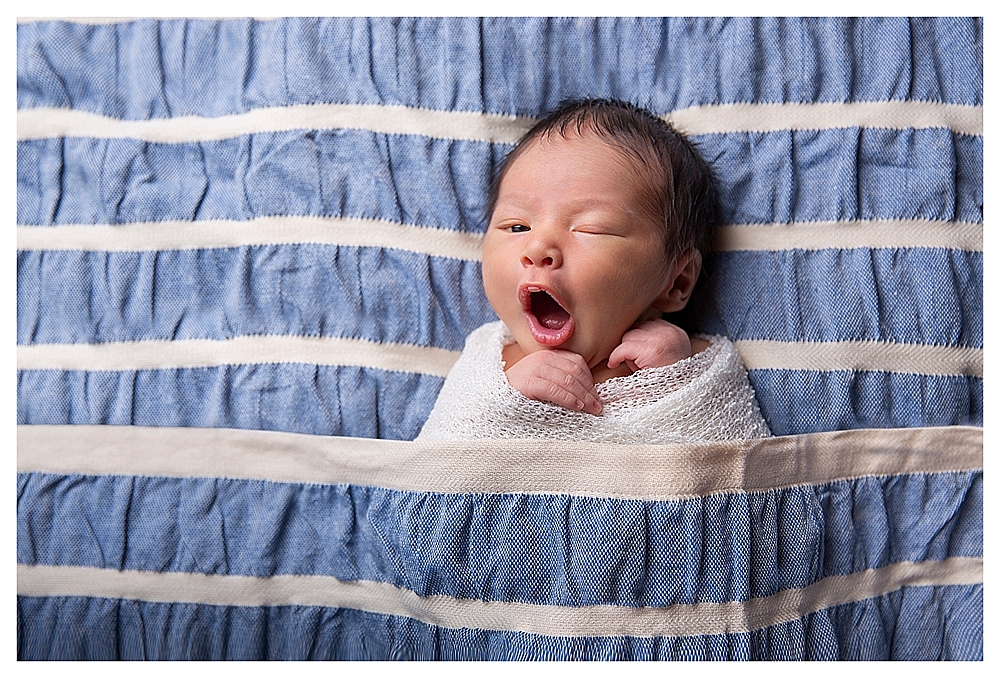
x,y
579,404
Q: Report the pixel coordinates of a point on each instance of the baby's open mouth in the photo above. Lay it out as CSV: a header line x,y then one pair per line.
x,y
547,310
549,322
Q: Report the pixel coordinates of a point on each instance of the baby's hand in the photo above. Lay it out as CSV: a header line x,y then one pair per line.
x,y
653,343
557,377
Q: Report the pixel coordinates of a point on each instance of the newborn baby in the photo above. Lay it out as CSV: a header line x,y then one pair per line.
x,y
597,221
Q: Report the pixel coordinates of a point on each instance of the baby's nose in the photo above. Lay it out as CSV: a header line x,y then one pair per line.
x,y
542,254
538,260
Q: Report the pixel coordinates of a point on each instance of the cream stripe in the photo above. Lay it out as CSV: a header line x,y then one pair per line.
x,y
440,242
645,472
749,117
884,234
38,123
448,612
254,350
285,230
247,350
862,356
43,123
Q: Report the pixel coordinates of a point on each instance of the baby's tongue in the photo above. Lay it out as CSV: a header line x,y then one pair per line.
x,y
550,314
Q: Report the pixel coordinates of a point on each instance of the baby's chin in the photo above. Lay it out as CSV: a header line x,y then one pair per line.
x,y
595,357
531,336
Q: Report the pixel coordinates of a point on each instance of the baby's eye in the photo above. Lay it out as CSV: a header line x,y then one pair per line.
x,y
598,229
518,228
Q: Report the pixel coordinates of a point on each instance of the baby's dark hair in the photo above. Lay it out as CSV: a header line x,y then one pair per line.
x,y
681,190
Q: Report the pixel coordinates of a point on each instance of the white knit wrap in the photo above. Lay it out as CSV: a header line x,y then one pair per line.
x,y
706,397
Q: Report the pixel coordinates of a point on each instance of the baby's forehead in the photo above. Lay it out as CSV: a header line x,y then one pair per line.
x,y
623,156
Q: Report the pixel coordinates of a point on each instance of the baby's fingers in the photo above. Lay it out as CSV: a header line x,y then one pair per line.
x,y
627,351
557,377
565,388
580,382
654,343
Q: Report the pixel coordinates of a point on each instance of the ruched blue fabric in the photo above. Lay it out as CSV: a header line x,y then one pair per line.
x,y
543,549
158,69
336,400
904,625
781,177
559,550
906,296
381,295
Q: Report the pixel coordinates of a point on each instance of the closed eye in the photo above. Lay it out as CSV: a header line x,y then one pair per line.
x,y
595,230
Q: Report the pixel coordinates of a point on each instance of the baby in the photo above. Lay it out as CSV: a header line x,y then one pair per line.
x,y
597,221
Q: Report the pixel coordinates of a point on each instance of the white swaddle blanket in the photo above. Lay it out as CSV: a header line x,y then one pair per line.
x,y
706,397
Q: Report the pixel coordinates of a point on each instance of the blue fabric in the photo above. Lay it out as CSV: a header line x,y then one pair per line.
x,y
349,173
560,549
205,67
910,296
544,549
906,296
769,177
800,401
322,400
850,173
381,295
904,625
370,403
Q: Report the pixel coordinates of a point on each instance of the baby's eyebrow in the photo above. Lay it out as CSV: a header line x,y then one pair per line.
x,y
519,199
585,204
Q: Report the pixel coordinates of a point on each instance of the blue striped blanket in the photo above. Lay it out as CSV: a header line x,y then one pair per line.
x,y
248,255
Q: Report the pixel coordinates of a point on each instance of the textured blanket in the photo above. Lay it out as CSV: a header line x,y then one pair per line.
x,y
701,399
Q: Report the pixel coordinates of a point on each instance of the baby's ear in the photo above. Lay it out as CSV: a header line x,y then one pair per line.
x,y
680,283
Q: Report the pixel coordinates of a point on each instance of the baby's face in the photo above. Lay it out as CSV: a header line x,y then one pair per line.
x,y
570,261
